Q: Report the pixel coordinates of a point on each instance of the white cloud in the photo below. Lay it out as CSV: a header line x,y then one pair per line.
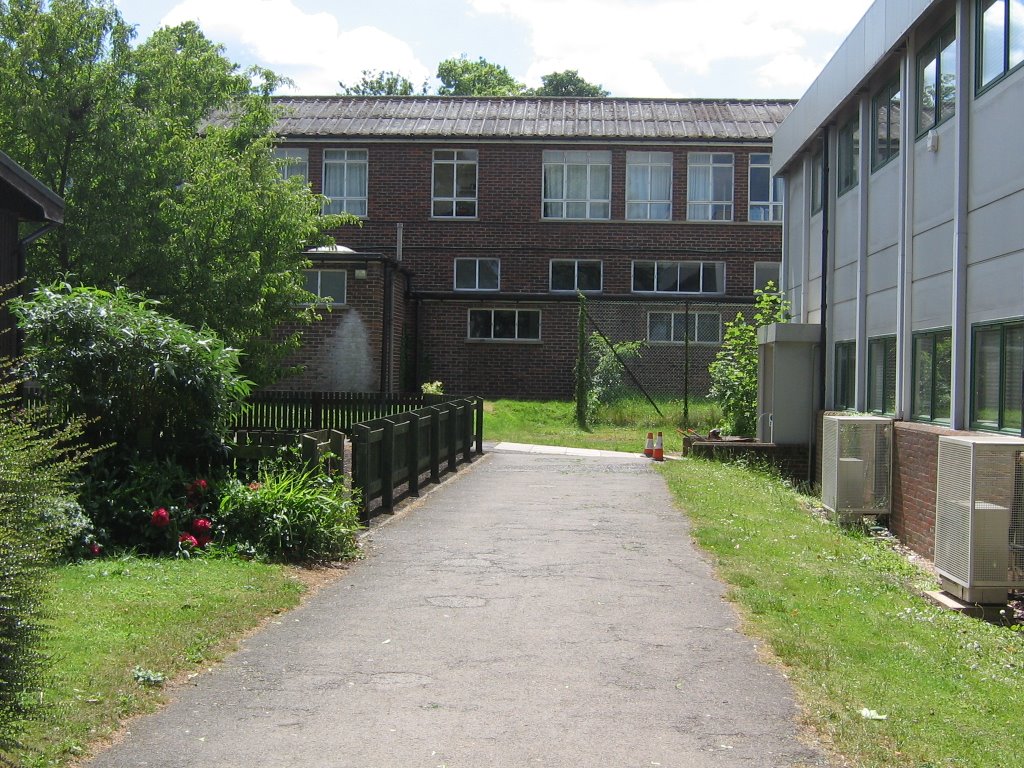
x,y
310,48
789,72
638,46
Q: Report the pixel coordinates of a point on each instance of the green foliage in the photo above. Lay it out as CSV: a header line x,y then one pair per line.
x,y
190,214
462,77
291,515
607,382
734,371
432,388
38,519
566,84
381,83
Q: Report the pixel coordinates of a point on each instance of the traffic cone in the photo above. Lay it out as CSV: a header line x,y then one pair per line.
x,y
659,448
649,448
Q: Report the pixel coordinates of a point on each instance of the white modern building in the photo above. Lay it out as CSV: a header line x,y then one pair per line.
x,y
904,228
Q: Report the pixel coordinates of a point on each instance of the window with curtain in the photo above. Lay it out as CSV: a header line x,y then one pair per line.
x,y
577,184
709,186
765,192
649,185
293,161
455,180
345,181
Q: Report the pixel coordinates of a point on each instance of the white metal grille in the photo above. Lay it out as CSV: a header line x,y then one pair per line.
x,y
979,511
856,454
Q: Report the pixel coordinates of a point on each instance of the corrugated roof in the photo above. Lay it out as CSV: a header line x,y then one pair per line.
x,y
525,118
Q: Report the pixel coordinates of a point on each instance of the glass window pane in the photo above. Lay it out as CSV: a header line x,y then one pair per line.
x,y
576,210
553,210
466,180
643,276
660,211
1016,36
464,208
689,277
638,182
588,275
992,36
332,283
722,184
487,274
987,360
760,179
563,276
1013,376
479,323
553,179
465,274
661,182
529,324
310,281
709,328
943,375
599,211
576,182
504,323
923,349
638,210
443,207
444,180
668,277
698,183
356,180
659,326
714,278
927,72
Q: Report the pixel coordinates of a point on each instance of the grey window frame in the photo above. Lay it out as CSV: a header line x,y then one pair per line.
x,y
1005,394
476,260
712,205
776,190
692,321
778,275
817,179
844,380
933,415
719,266
597,208
290,160
886,345
319,280
1006,66
885,144
933,51
348,160
576,275
461,158
492,338
649,160
848,156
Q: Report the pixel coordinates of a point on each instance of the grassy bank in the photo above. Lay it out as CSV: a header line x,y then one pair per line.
x,y
843,613
619,427
163,616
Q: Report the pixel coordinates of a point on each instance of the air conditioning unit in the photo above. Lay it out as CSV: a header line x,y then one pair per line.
x,y
979,516
856,455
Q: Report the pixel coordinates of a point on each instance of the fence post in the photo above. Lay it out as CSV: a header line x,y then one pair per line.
x,y
451,439
467,430
387,470
435,444
479,409
413,453
360,467
316,407
308,449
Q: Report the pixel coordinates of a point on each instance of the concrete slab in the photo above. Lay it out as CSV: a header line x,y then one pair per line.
x,y
536,610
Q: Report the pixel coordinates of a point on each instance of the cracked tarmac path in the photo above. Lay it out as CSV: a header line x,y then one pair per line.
x,y
535,610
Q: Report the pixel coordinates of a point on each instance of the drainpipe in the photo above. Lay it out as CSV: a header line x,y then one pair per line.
x,y
386,326
823,299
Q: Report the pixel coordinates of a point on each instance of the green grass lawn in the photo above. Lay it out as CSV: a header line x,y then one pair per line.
x,y
623,427
162,615
843,613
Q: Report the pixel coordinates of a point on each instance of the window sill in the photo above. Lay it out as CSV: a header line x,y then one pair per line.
x,y
503,341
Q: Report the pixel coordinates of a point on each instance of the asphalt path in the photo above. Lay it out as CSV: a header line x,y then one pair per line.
x,y
537,609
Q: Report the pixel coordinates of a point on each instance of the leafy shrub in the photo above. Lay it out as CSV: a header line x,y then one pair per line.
x,y
292,515
734,370
37,520
606,380
432,388
158,395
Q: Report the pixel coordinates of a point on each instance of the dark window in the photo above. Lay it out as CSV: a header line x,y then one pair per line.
x,y
678,277
932,373
575,275
849,155
885,131
882,375
936,80
997,375
477,274
504,324
846,375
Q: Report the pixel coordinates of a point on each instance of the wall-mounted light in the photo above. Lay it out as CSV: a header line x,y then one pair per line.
x,y
360,273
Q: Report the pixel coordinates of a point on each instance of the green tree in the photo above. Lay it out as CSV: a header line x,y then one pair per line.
x,y
188,213
734,370
462,77
382,83
567,83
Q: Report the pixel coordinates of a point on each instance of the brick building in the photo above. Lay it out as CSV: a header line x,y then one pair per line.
x,y
483,217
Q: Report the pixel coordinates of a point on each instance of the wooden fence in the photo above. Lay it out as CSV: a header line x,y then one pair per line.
x,y
309,411
392,452
322,449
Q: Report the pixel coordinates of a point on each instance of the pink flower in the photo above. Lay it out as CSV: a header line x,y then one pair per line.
x,y
95,549
255,486
202,526
187,541
160,518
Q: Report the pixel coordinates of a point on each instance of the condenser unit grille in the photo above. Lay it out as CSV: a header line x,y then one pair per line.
x,y
856,454
979,511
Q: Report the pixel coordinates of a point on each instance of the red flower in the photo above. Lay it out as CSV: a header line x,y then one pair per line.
x,y
161,518
95,549
202,526
202,541
187,541
255,486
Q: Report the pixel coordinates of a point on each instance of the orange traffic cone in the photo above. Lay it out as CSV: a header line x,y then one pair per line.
x,y
649,448
659,448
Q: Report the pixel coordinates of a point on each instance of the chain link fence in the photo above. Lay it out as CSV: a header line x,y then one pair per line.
x,y
680,340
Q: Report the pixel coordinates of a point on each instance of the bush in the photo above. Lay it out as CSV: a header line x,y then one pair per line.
x,y
291,515
38,519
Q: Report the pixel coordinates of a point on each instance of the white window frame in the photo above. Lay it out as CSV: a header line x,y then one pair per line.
x,y
594,206
659,266
692,330
773,266
476,287
576,275
318,271
517,338
345,160
713,207
293,161
460,158
642,208
769,210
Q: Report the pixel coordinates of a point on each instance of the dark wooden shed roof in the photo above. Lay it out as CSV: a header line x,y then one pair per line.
x,y
28,197
479,118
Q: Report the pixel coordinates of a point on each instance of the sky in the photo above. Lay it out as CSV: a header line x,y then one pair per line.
x,y
637,48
